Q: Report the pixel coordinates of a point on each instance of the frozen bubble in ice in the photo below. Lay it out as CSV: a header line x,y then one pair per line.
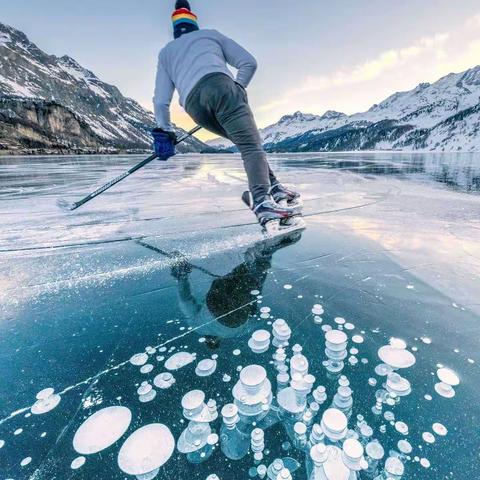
x,y
389,416
146,368
26,461
336,338
18,431
300,428
148,397
79,462
327,328
424,463
261,336
151,350
401,427
398,385
372,382
339,321
405,447
2,443
46,405
212,439
440,429
426,340
357,339
139,359
253,375
254,293
284,474
226,378
349,326
352,360
375,450
265,310
428,437
262,471
164,380
45,393
146,449
334,423
206,367
287,287
394,467
237,352
444,390
448,376
213,476
101,430
179,360
144,389
193,400
260,341
396,357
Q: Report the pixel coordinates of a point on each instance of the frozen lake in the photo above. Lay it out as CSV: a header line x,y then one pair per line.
x,y
170,261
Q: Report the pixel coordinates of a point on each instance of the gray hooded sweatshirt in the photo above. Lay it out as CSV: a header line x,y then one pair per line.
x,y
186,60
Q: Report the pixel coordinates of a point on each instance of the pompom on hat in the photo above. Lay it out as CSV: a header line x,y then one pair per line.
x,y
184,21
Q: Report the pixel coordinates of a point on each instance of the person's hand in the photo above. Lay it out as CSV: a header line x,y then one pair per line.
x,y
163,143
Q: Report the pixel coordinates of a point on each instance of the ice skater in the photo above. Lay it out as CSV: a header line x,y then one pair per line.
x,y
195,64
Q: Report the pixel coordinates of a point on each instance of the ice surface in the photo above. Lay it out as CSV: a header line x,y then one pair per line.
x,y
72,317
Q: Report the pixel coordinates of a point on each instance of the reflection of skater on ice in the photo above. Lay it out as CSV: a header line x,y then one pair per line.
x,y
227,307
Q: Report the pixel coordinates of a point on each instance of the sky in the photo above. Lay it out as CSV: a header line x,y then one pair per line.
x,y
313,55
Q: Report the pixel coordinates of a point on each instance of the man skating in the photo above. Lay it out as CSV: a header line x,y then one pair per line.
x,y
195,64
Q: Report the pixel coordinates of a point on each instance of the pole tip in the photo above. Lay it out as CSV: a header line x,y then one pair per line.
x,y
64,205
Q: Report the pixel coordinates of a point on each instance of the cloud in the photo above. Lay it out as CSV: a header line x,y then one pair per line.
x,y
367,71
474,22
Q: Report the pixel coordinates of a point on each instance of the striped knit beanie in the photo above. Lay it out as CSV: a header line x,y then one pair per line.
x,y
184,21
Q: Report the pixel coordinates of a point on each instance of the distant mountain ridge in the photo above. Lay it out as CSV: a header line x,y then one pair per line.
x,y
42,94
443,116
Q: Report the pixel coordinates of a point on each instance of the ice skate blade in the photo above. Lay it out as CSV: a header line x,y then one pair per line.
x,y
275,228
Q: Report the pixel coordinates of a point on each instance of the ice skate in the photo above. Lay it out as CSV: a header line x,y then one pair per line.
x,y
285,196
275,219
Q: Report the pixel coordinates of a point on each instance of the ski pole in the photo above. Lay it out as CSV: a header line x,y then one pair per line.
x,y
62,203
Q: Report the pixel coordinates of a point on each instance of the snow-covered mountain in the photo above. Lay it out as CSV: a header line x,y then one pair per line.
x,y
33,84
443,116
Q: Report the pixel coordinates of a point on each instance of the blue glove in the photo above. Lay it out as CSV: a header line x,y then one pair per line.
x,y
164,143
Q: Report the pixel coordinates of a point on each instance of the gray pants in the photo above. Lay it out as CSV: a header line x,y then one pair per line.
x,y
220,105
